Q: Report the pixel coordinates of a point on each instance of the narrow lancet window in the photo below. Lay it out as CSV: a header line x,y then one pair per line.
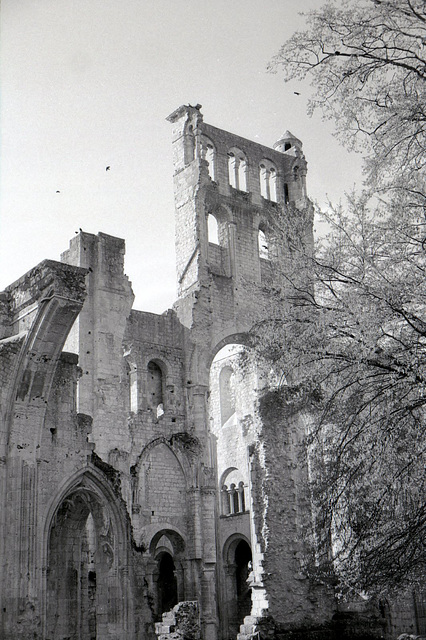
x,y
208,153
263,245
212,229
155,389
237,169
268,181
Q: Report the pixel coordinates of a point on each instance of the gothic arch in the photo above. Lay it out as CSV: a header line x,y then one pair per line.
x,y
166,568
38,358
160,479
175,536
86,552
181,458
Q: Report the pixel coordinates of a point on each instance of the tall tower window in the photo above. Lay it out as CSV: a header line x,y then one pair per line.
x,y
189,144
155,389
263,245
208,153
133,387
268,180
272,184
212,229
237,169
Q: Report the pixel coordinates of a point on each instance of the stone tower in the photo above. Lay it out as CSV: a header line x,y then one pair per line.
x,y
229,192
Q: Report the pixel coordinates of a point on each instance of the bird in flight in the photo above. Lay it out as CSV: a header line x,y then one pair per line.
x,y
107,168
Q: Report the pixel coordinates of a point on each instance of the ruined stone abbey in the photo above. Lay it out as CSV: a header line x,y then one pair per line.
x,y
140,466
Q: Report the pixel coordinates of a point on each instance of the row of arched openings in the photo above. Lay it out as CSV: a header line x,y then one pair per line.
x,y
232,491
233,498
238,171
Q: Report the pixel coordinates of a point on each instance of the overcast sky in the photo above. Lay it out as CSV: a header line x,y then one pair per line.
x,y
88,84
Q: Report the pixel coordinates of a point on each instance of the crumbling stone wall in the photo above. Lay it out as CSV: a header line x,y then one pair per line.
x,y
48,465
281,495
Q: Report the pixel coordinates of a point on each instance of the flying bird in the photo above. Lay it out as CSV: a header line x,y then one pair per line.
x,y
296,93
58,192
107,168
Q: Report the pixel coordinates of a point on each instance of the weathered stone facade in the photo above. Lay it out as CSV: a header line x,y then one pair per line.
x,y
142,465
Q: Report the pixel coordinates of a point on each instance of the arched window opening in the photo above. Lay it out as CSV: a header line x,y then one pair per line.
x,y
155,389
167,583
264,181
296,173
234,498
233,494
287,146
189,146
241,498
133,388
243,562
226,508
210,157
232,170
263,245
242,174
227,394
237,169
268,180
286,195
208,153
212,229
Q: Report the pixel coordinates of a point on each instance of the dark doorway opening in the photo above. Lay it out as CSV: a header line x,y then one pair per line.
x,y
167,583
243,561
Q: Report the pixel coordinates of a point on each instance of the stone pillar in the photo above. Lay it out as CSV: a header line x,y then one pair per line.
x,y
281,516
180,580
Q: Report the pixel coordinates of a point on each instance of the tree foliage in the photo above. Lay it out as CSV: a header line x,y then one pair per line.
x,y
350,330
350,325
367,63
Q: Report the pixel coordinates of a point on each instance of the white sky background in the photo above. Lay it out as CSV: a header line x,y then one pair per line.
x,y
89,83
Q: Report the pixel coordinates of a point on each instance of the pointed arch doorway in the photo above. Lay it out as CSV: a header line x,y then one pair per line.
x,y
87,594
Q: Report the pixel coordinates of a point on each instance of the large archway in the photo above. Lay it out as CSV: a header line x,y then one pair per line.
x,y
165,573
86,591
237,558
